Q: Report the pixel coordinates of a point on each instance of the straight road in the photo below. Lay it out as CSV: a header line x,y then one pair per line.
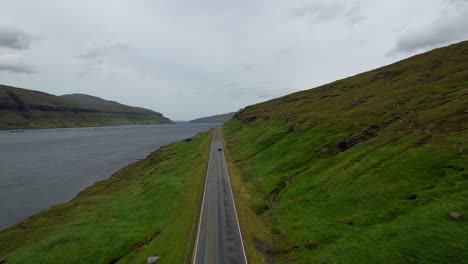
x,y
219,239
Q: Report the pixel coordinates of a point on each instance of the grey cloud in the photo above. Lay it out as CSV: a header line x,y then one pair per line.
x,y
353,15
450,27
199,48
457,1
327,11
315,12
96,48
285,51
251,66
14,63
12,37
258,89
232,84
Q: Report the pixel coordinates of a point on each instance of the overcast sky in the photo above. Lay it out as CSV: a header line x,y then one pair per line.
x,y
188,59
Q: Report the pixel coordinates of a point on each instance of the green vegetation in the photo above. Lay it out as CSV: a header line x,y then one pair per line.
x,y
254,230
214,119
21,108
362,170
143,210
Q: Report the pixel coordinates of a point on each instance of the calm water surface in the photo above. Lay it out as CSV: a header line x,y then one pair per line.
x,y
42,167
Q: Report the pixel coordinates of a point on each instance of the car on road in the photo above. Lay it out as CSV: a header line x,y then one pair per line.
x,y
220,149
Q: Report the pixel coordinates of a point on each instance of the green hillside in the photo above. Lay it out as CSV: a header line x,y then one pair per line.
x,y
21,108
145,209
362,170
214,119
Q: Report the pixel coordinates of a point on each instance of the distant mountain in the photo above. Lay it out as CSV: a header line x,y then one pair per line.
x,y
93,102
214,119
22,108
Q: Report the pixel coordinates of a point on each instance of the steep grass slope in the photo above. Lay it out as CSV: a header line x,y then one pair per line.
x,y
21,108
145,209
214,119
362,170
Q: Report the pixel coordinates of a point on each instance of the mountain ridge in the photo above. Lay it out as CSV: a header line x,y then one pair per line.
x,y
91,101
23,108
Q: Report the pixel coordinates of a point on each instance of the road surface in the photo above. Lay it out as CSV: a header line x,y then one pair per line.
x,y
219,239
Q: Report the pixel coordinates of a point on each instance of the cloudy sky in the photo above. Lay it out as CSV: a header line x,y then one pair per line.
x,y
188,59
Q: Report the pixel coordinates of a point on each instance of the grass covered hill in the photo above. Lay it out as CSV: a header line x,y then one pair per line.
x,y
22,108
145,209
366,169
214,119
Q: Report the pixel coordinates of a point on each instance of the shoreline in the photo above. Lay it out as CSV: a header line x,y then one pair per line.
x,y
51,166
152,199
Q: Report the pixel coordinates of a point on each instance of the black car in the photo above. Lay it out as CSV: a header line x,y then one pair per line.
x,y
220,149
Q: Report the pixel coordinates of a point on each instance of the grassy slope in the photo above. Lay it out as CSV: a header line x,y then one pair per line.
x,y
371,165
33,109
253,228
143,210
214,119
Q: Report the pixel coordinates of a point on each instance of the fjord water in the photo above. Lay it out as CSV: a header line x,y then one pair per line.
x,y
42,167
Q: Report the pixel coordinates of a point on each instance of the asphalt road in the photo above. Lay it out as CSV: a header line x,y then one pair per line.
x,y
219,239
